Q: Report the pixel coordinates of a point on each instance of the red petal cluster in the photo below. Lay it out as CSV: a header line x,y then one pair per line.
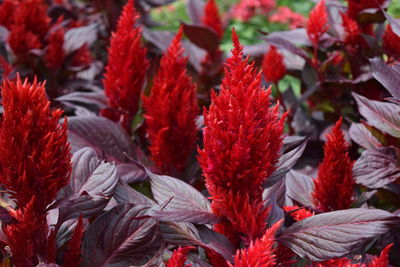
x,y
383,259
178,258
212,18
285,15
273,66
171,110
246,9
34,153
317,23
7,8
82,56
55,54
242,140
351,29
391,42
72,257
127,66
30,26
334,183
298,213
261,252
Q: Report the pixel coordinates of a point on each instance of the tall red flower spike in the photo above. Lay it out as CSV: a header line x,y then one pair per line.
x,y
273,66
334,183
72,257
126,70
178,258
317,23
171,110
55,54
30,26
383,259
261,252
391,43
242,140
212,18
351,28
7,8
298,213
35,157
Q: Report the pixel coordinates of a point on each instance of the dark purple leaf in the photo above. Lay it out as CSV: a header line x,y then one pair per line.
x,y
360,134
5,217
179,194
377,167
336,234
75,38
92,98
286,162
287,45
131,173
195,11
382,115
217,242
122,236
161,39
100,134
388,76
394,23
91,186
197,217
296,36
299,187
202,36
275,213
180,234
126,194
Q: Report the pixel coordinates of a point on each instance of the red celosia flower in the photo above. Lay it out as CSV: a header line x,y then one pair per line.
x,y
34,153
334,183
383,259
351,28
5,67
55,54
171,110
30,26
298,213
285,15
261,252
391,42
212,18
7,9
82,56
127,66
317,23
72,257
246,9
242,140
273,66
178,258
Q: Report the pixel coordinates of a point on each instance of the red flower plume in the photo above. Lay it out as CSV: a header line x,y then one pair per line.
x,y
34,153
212,18
391,42
317,23
72,257
273,66
242,140
171,110
55,54
383,259
178,258
7,8
298,213
261,252
334,183
126,69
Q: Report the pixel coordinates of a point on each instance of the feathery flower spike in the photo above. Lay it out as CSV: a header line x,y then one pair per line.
x,y
317,23
212,18
178,258
334,183
242,141
126,70
72,257
273,66
171,110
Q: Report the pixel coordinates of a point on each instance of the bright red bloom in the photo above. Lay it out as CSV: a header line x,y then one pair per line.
x,y
35,157
273,66
55,54
212,18
351,29
383,259
171,110
261,252
127,65
7,8
317,23
242,140
287,16
246,9
5,67
334,183
298,213
391,42
178,258
82,56
30,26
72,257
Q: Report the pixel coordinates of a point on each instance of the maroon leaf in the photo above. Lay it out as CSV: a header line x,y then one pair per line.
x,y
122,236
388,76
360,134
287,45
299,187
382,115
197,217
195,9
202,36
336,234
395,24
94,98
377,167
